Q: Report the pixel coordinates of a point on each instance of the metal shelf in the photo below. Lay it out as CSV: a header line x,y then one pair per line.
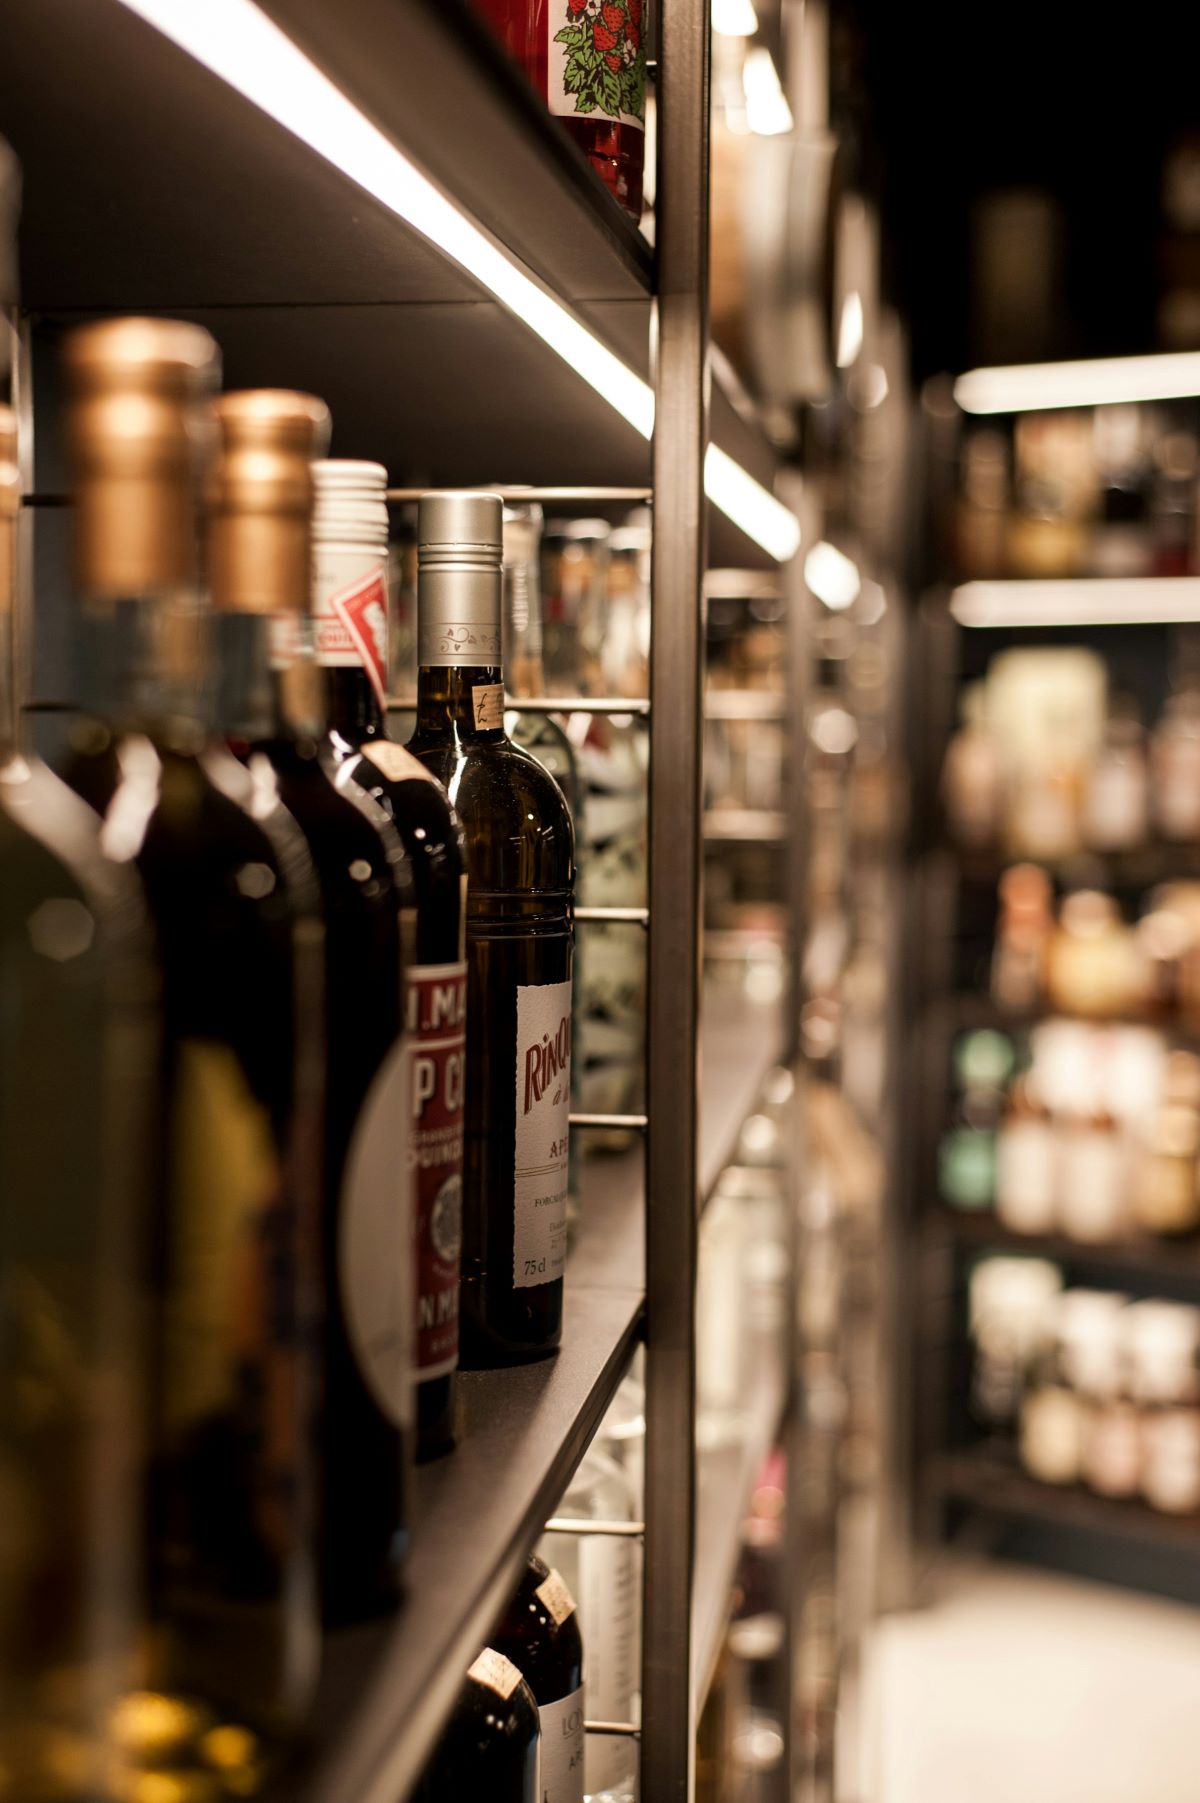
x,y
1139,1261
987,1485
386,1688
741,1041
152,186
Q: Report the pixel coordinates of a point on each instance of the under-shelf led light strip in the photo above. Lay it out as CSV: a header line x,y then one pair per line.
x,y
238,42
1079,601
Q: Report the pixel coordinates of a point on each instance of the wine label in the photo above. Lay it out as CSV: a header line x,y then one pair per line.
x,y
487,701
543,1105
350,619
556,1599
396,763
374,1240
596,60
436,1003
497,1672
562,1749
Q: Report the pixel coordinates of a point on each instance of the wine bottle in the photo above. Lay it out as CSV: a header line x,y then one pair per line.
x,y
350,626
260,558
492,1744
78,1063
589,62
232,898
521,869
539,1632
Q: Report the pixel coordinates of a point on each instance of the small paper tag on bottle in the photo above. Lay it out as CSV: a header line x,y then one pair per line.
x,y
488,703
397,764
555,1598
497,1672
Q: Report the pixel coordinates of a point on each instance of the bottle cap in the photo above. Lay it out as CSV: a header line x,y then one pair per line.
x,y
137,434
463,527
10,506
261,499
460,549
351,503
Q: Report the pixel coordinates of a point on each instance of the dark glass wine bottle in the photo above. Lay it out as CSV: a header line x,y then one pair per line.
x,y
539,1632
260,561
350,634
78,1093
521,870
491,1747
232,898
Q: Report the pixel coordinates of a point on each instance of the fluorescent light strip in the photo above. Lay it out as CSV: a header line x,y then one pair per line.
x,y
238,43
1033,387
1079,601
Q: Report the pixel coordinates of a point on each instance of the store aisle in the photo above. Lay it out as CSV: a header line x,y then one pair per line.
x,y
1020,1687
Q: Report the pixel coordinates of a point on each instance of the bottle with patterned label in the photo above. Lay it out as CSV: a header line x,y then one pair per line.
x,y
350,617
521,867
539,1632
233,900
260,556
588,58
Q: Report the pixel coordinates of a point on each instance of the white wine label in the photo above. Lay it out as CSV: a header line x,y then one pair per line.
x,y
487,700
350,619
555,1598
397,764
375,1239
562,1749
497,1672
596,60
436,1003
543,1106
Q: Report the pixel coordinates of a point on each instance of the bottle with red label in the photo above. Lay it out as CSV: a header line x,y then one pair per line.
x,y
350,613
587,58
520,936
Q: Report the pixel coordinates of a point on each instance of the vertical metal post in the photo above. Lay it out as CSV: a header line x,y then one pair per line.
x,y
676,853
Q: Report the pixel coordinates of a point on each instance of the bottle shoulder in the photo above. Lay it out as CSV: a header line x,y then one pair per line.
x,y
513,814
341,823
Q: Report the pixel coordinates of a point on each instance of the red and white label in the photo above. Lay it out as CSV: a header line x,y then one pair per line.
x,y
436,1024
543,1106
350,621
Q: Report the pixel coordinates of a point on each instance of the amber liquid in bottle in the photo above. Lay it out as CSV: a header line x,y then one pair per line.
x,y
520,867
233,1623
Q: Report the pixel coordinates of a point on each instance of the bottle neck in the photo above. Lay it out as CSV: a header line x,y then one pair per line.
x,y
352,707
144,663
460,704
267,685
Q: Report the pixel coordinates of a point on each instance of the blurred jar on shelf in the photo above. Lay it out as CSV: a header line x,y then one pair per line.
x,y
1050,1435
1167,1195
1115,802
1054,494
1092,1180
1092,1329
1173,504
973,775
1023,936
1010,1303
983,1063
1175,768
1026,1162
1164,1349
1092,964
983,509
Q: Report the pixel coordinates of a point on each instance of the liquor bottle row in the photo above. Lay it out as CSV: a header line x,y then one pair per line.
x,y
1092,1132
1095,1388
284,1067
1046,765
1107,491
1084,958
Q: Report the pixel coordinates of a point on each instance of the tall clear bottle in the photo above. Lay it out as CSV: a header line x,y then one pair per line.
x,y
260,560
350,627
233,901
521,866
79,1038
